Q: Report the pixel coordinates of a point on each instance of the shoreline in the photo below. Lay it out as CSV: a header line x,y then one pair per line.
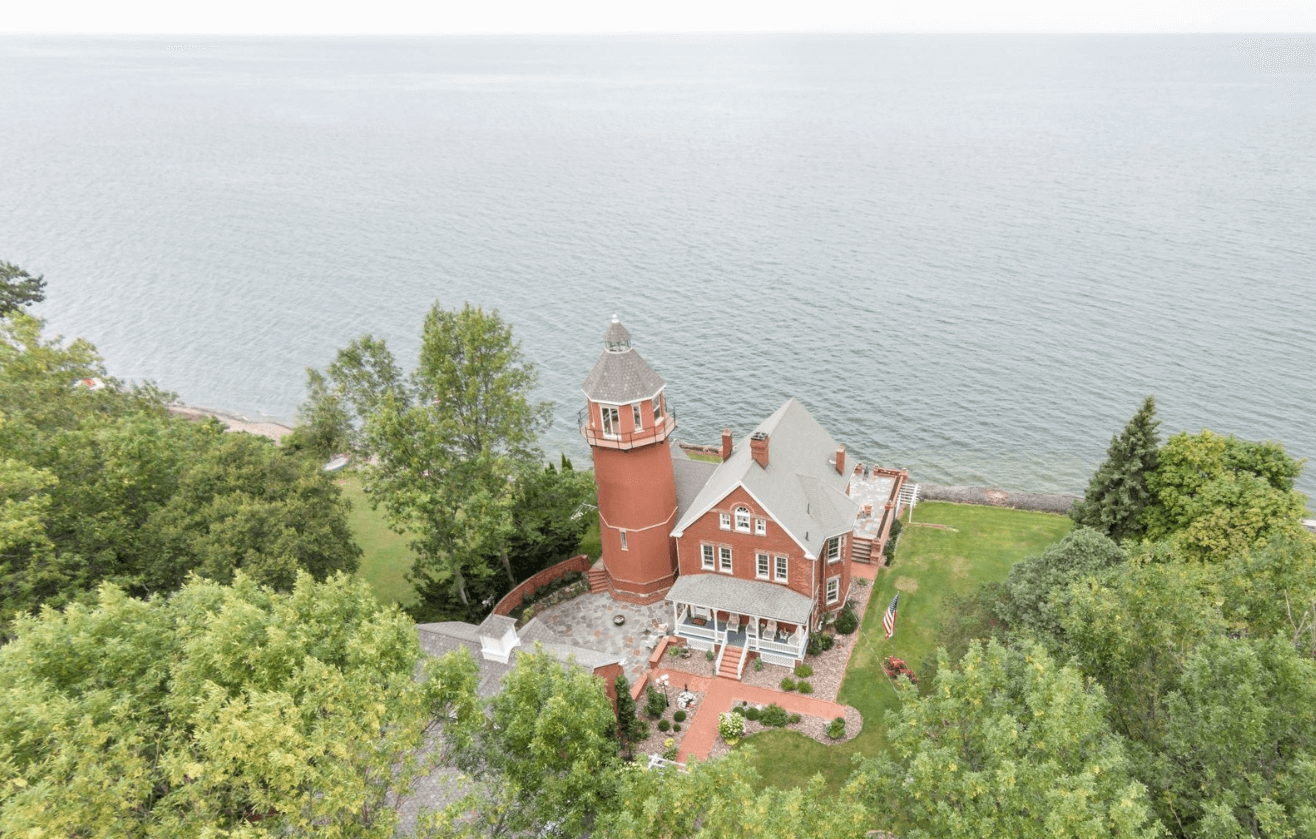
x,y
275,431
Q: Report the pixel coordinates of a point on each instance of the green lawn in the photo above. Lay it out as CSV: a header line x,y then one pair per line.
x,y
980,546
386,558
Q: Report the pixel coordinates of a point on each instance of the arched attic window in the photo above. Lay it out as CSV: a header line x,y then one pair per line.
x,y
742,519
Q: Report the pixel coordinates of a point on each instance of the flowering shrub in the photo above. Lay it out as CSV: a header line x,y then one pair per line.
x,y
731,727
895,667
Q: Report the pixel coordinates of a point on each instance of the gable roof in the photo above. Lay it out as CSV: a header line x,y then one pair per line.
x,y
800,489
622,376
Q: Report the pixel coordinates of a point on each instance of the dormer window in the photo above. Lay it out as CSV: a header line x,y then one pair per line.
x,y
742,519
635,414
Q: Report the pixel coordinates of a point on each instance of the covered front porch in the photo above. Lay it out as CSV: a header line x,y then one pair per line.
x,y
713,612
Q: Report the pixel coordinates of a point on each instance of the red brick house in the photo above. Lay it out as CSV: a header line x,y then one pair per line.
x,y
764,549
751,552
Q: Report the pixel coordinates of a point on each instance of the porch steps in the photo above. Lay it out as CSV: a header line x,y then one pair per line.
x,y
598,578
730,668
861,550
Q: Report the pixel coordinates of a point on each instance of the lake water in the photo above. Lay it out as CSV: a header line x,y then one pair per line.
x,y
967,255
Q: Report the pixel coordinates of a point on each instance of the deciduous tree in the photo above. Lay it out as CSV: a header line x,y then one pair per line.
x,y
1028,590
455,445
1217,496
1008,743
220,709
547,760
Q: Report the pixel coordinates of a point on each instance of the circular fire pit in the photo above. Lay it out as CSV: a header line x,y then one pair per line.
x,y
618,620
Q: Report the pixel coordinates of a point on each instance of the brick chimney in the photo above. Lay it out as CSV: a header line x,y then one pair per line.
x,y
840,459
758,448
726,443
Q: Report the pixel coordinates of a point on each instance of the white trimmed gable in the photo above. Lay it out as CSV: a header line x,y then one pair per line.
x,y
800,489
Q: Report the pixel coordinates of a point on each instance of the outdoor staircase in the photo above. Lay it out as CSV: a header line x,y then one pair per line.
x,y
730,668
598,578
861,550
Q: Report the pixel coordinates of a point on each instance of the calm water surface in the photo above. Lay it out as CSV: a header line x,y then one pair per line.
x,y
968,255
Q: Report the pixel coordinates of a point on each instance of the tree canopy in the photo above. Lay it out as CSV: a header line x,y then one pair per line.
x,y
18,288
1008,743
1219,496
220,710
106,486
455,456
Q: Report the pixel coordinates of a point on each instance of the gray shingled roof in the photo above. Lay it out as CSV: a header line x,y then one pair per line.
x,y
620,377
800,489
744,597
691,475
617,334
438,639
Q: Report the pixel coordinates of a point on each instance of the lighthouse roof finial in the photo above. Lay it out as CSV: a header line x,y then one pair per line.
x,y
616,339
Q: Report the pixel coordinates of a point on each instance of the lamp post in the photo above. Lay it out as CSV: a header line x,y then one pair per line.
x,y
663,680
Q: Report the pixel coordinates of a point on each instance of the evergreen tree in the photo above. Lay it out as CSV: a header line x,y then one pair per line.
x,y
1117,493
629,725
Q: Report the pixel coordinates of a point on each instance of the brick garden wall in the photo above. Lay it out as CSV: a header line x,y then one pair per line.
x,y
513,598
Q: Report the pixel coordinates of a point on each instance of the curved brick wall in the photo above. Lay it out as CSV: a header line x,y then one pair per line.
x,y
513,598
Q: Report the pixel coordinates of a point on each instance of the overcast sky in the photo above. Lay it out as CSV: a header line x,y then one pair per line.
x,y
476,16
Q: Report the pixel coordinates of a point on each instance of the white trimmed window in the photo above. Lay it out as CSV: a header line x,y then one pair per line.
x,y
833,590
724,559
657,409
742,519
833,549
637,416
761,567
707,559
760,527
724,520
783,569
623,540
611,421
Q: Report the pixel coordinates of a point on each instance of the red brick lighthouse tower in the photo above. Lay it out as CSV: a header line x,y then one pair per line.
x,y
628,426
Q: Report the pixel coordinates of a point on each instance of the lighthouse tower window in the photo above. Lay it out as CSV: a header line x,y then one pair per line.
x,y
657,408
611,422
635,414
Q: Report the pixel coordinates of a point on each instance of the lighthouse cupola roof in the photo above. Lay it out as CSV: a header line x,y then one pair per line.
x,y
616,339
620,375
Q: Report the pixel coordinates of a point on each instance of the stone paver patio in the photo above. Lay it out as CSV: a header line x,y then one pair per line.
x,y
586,621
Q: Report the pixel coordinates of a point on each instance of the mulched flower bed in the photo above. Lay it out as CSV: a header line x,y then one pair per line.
x,y
696,664
828,667
653,744
815,728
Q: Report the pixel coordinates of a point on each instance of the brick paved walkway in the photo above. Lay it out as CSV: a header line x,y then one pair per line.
x,y
723,693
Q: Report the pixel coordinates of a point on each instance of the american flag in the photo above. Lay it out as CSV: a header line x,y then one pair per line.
x,y
889,619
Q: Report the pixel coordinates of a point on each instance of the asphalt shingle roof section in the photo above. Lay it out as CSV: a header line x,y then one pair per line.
x,y
691,476
438,639
800,488
621,377
743,597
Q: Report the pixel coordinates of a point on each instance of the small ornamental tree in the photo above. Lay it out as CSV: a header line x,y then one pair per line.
x,y
630,728
1117,494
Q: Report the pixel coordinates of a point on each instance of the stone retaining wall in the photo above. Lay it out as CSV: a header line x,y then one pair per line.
x,y
514,597
989,497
